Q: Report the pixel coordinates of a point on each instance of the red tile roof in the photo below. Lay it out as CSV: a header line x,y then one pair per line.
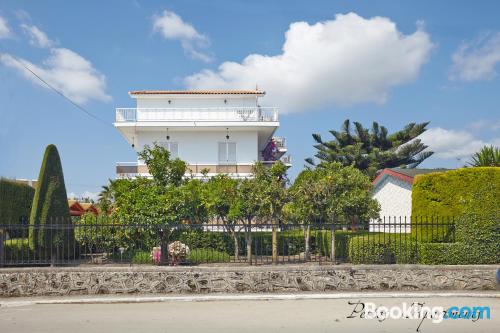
x,y
197,92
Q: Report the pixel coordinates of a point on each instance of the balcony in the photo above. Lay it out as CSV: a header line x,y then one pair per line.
x,y
229,114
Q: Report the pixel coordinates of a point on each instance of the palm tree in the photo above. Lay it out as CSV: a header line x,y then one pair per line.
x,y
106,198
487,156
372,150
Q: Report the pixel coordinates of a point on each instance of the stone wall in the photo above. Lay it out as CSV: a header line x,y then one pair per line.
x,y
264,279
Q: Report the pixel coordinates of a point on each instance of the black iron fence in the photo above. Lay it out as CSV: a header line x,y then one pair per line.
x,y
97,240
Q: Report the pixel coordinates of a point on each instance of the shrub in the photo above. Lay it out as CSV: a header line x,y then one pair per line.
x,y
17,249
438,198
342,237
219,241
380,248
203,255
15,205
15,201
142,257
50,206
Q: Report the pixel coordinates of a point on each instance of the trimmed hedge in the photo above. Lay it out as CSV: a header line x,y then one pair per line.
x,y
17,249
444,194
50,206
453,194
342,237
15,203
380,248
197,256
478,241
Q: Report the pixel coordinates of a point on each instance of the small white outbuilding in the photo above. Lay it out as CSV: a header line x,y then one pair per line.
x,y
392,189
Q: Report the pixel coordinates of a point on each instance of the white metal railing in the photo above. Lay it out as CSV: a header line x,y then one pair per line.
x,y
280,141
287,159
259,114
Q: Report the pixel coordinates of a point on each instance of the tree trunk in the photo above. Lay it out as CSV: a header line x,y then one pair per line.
x,y
275,245
164,247
307,238
332,254
236,246
248,237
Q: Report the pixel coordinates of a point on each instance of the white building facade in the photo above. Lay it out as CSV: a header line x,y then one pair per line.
x,y
219,131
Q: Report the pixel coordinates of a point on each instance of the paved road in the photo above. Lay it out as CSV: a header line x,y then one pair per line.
x,y
304,316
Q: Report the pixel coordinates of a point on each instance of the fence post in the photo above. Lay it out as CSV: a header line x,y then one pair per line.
x,y
164,247
2,256
275,244
332,254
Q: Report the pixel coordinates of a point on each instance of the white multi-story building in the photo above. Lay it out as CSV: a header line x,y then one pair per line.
x,y
222,131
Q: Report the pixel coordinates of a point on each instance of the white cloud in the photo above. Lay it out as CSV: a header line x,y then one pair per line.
x,y
4,28
84,195
172,27
37,36
91,195
343,61
476,60
68,72
458,144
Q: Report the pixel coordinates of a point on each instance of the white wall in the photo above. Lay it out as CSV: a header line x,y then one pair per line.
x,y
195,102
394,196
201,147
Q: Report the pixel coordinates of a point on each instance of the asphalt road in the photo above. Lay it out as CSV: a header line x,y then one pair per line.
x,y
304,316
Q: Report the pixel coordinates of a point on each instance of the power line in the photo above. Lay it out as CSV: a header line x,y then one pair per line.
x,y
78,106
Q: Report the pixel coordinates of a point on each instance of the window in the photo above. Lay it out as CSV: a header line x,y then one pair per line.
x,y
172,147
227,152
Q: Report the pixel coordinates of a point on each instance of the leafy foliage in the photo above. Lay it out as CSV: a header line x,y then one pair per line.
x,y
446,194
15,203
372,150
332,193
164,170
487,156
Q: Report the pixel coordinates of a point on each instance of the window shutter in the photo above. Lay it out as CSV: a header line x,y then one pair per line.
x,y
231,152
222,152
174,150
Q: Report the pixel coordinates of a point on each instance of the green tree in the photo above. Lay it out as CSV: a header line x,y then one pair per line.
x,y
330,194
487,156
164,170
308,202
273,196
246,208
50,207
372,150
219,196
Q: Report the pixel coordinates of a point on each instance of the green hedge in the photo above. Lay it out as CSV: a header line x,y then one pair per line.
x,y
380,248
15,203
50,206
197,256
17,249
342,237
439,197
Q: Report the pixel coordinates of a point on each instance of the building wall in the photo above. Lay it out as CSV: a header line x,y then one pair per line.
x,y
201,147
196,102
394,196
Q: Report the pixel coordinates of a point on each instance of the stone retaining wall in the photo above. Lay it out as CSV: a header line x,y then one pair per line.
x,y
61,281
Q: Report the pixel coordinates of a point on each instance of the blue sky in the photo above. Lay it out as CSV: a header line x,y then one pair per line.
x,y
319,61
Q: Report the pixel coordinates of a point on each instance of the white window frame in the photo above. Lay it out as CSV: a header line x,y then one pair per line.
x,y
226,160
168,146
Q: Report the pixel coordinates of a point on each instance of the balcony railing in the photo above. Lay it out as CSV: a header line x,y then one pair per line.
x,y
280,141
251,114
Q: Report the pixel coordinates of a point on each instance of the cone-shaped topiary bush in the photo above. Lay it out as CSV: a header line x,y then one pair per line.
x,y
51,235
